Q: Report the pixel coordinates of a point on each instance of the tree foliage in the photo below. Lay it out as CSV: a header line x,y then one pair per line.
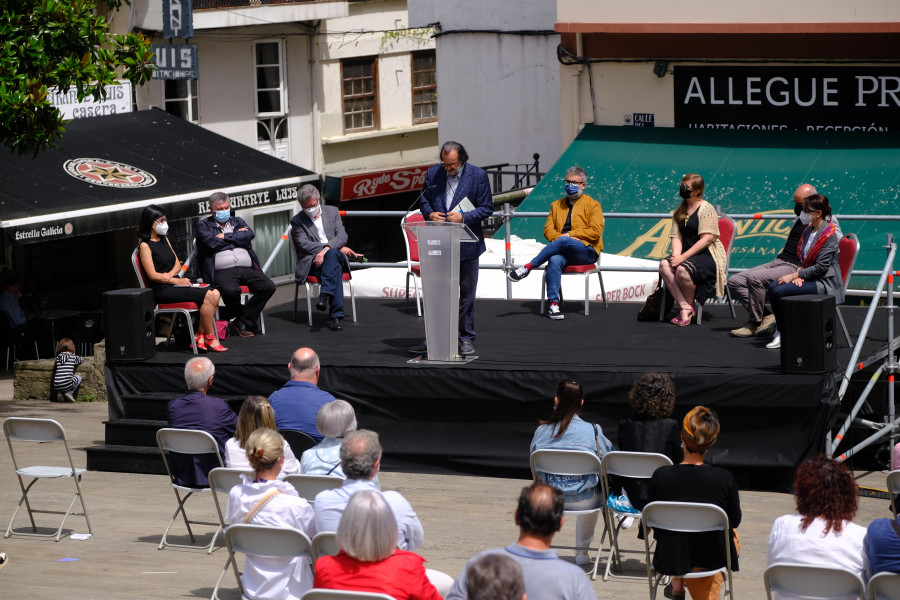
x,y
64,44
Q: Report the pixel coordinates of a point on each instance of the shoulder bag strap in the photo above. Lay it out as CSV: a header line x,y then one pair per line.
x,y
261,504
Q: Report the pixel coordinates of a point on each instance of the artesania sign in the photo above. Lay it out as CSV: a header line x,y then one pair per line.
x,y
382,183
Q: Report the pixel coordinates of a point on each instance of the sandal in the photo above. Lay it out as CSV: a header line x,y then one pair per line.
x,y
686,321
200,341
218,345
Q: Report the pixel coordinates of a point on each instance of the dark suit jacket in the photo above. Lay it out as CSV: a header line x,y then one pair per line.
x,y
208,244
196,410
474,185
306,238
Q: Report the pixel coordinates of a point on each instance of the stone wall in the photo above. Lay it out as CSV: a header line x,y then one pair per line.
x,y
32,377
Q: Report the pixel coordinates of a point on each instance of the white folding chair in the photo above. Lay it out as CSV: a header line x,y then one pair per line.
x,y
893,486
188,442
572,462
320,594
308,486
884,586
324,544
221,480
264,541
634,465
42,431
686,517
809,581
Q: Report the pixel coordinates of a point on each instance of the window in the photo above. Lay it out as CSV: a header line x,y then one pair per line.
x,y
180,98
269,79
360,93
424,87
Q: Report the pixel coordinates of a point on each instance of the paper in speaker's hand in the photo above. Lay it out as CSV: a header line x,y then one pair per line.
x,y
465,205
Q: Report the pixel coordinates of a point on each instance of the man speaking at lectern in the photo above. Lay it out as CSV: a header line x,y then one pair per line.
x,y
458,192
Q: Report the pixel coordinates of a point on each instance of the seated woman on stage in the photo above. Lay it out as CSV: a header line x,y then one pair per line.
x,y
821,533
334,420
696,268
262,499
693,481
369,560
255,412
819,271
161,266
565,430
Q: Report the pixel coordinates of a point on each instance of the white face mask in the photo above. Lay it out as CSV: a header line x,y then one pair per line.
x,y
162,228
805,218
312,211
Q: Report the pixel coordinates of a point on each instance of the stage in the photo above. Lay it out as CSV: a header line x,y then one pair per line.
x,y
481,415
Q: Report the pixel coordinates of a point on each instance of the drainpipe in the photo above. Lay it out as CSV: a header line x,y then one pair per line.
x,y
314,106
576,96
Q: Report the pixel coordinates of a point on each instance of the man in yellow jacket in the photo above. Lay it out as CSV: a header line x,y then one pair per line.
x,y
574,229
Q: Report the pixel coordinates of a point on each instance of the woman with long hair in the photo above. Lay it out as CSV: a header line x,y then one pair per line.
x,y
695,271
819,271
369,560
263,499
821,532
161,265
255,412
565,430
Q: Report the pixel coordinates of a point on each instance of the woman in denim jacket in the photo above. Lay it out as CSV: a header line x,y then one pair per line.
x,y
565,430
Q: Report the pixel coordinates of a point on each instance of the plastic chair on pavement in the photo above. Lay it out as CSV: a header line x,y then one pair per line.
x,y
634,465
266,542
809,581
573,462
686,517
42,431
324,544
308,486
884,586
320,594
221,480
188,442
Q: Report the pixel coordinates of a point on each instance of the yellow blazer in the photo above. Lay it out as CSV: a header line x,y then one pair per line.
x,y
587,221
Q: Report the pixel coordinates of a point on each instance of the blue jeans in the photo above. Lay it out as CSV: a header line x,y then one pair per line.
x,y
331,275
778,291
558,254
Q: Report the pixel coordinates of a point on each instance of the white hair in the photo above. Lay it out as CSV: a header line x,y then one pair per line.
x,y
336,419
368,529
197,372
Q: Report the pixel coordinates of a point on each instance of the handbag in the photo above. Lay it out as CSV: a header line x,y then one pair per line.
x,y
650,310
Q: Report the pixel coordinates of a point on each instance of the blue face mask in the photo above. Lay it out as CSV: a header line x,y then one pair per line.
x,y
572,189
222,215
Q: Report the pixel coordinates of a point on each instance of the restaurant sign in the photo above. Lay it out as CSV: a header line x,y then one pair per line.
x,y
382,183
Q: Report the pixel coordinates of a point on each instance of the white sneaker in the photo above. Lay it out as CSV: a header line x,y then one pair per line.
x,y
519,274
582,558
627,522
554,313
776,341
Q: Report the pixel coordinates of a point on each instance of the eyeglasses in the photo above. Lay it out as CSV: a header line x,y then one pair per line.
x,y
451,165
569,181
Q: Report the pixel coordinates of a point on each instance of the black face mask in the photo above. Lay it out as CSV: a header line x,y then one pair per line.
x,y
798,208
684,191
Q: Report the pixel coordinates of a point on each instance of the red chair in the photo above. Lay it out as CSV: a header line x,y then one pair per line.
x,y
848,251
586,271
245,291
314,281
413,269
176,308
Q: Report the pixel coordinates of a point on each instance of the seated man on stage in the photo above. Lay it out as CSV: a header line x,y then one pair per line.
x,y
228,262
320,241
574,229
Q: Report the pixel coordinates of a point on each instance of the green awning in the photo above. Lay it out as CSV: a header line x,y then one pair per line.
x,y
638,170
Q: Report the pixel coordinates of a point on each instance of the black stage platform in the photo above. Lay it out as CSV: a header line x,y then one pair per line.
x,y
482,415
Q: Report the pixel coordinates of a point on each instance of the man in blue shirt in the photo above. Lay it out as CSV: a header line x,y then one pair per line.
x,y
297,404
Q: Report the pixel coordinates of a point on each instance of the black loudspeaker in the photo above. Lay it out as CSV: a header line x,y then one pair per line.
x,y
129,323
807,326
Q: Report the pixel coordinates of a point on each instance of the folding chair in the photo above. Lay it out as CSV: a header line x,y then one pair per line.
x,y
312,281
320,594
413,269
572,462
893,486
686,517
848,251
586,271
188,442
264,541
809,581
298,441
308,486
884,586
42,431
634,465
221,480
324,544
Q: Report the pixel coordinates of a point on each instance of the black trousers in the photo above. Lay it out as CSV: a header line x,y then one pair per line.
x,y
229,282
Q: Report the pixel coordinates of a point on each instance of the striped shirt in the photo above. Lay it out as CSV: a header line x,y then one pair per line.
x,y
64,380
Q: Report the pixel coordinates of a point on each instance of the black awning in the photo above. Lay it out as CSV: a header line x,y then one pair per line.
x,y
111,167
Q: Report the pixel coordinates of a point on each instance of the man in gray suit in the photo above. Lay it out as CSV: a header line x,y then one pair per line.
x,y
320,241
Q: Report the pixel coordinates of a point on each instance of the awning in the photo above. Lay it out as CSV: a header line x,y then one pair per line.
x,y
638,170
110,168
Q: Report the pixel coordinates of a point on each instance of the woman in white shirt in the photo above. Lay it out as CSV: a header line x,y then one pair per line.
x,y
255,412
821,533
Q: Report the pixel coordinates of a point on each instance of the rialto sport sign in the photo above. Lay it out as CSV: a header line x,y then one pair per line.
x,y
382,183
785,98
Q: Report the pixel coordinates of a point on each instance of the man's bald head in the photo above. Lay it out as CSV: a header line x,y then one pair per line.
x,y
540,510
803,192
304,365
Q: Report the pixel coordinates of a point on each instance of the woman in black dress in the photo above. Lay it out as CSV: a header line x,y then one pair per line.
x,y
696,268
161,266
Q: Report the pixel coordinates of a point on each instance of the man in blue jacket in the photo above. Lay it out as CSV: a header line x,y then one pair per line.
x,y
458,192
227,261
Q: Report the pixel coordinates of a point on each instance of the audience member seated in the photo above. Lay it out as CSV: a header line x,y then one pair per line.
x,y
883,546
495,577
694,481
334,421
650,428
565,430
19,322
821,532
196,410
262,499
255,412
297,404
369,560
539,516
